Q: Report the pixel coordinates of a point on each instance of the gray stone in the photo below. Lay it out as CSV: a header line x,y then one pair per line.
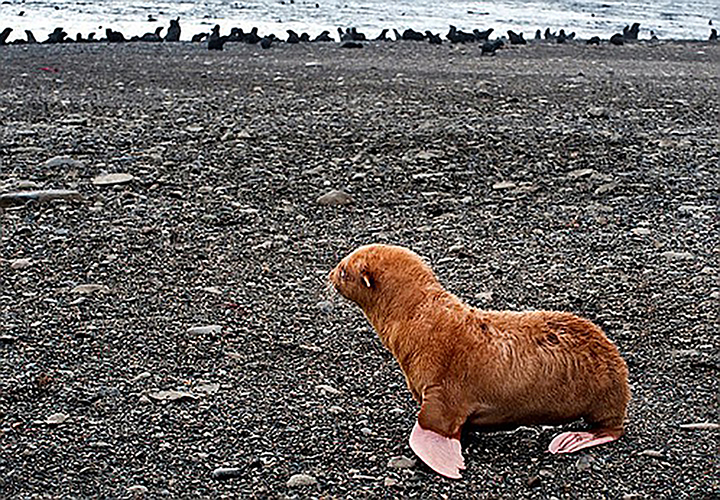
x,y
335,198
389,482
677,255
172,396
19,264
301,480
23,197
401,462
700,426
138,490
90,288
63,161
504,185
205,330
328,389
57,419
222,473
598,112
112,179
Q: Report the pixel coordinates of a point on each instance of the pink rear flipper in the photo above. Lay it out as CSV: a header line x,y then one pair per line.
x,y
441,454
569,442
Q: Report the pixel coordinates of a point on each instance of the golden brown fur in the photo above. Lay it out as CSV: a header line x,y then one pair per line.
x,y
490,368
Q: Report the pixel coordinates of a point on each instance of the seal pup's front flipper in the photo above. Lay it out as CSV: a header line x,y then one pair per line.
x,y
435,438
440,453
569,442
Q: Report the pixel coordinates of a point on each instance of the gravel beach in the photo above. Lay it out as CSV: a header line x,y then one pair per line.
x,y
168,331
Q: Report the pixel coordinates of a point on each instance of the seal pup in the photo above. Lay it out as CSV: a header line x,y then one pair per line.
x,y
491,369
4,35
382,37
173,32
324,37
215,41
516,39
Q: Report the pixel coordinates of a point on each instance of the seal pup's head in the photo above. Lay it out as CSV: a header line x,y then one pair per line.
x,y
377,275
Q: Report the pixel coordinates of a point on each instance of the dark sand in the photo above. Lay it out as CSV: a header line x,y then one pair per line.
x,y
565,177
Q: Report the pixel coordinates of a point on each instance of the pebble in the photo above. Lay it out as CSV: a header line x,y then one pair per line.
x,y
90,288
677,255
208,388
301,480
389,482
204,330
580,173
335,198
222,473
63,161
583,463
632,496
504,185
171,396
598,112
700,426
138,489
641,231
401,462
533,481
57,418
328,389
112,179
22,197
652,454
19,264
325,306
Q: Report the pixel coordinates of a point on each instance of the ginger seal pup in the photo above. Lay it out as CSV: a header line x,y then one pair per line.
x,y
488,369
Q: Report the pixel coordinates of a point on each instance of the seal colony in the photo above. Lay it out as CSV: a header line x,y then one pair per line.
x,y
492,370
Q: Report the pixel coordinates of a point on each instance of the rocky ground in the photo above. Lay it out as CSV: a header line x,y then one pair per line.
x,y
175,321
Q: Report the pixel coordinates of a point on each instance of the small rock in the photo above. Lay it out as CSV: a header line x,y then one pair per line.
x,y
335,198
301,480
172,396
632,496
19,264
641,231
90,288
401,462
390,482
677,255
533,481
138,490
205,330
212,289
57,418
583,463
328,389
112,179
141,376
598,112
208,388
580,173
325,306
606,188
23,197
652,454
700,426
63,161
503,185
222,473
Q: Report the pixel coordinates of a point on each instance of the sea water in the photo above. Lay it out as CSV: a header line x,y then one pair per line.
x,y
668,19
